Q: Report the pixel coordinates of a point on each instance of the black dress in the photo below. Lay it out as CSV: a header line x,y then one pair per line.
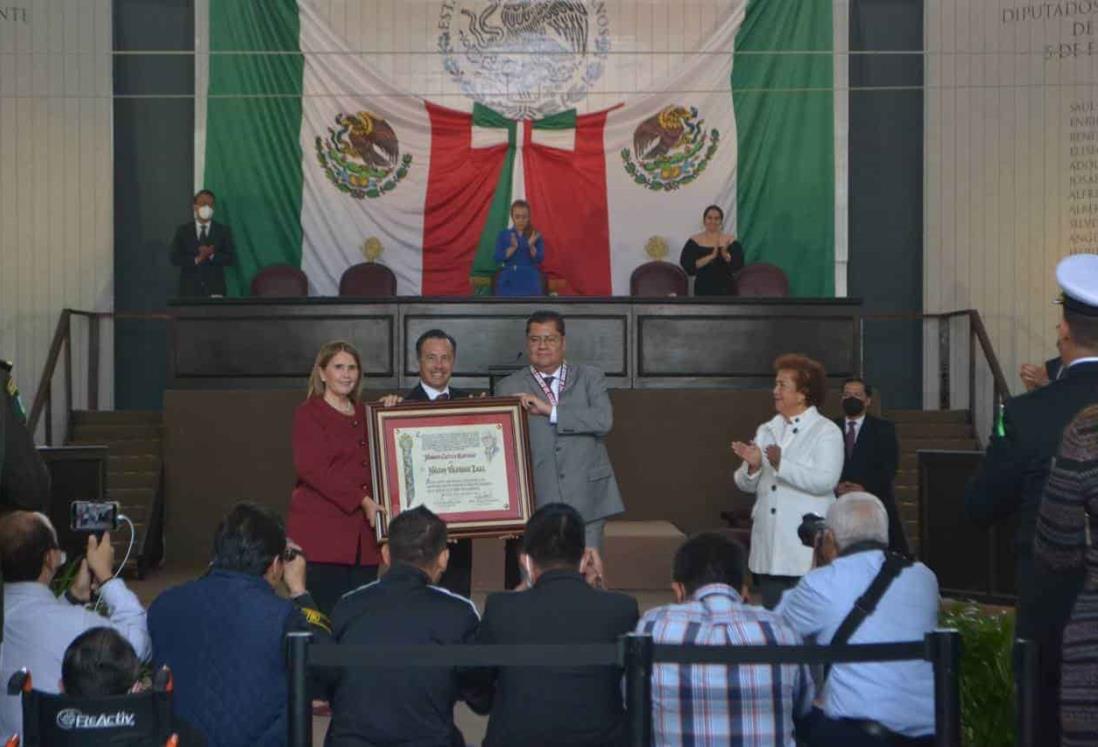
x,y
718,278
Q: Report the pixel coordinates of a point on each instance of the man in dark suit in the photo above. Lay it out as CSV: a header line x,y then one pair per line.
x,y
201,249
872,456
1012,478
409,705
436,352
544,706
24,479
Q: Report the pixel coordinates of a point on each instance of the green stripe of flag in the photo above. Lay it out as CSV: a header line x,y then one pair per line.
x,y
484,264
786,173
253,150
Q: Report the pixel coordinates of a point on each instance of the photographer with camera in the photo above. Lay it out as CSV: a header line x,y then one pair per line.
x,y
223,635
39,626
862,593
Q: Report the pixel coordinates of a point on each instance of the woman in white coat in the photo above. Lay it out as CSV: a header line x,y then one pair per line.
x,y
792,467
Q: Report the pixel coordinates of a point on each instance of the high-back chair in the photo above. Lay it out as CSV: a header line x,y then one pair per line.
x,y
280,281
658,280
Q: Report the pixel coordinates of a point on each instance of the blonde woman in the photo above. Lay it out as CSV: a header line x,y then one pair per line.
x,y
331,511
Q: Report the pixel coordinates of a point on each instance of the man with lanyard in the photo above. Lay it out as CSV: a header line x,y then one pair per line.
x,y
1016,467
569,414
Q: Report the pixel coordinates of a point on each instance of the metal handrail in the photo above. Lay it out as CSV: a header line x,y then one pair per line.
x,y
62,343
977,335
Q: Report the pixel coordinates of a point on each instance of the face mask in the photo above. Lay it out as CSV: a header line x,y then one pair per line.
x,y
205,212
853,406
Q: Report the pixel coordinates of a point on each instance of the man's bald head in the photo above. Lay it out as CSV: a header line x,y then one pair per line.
x,y
25,539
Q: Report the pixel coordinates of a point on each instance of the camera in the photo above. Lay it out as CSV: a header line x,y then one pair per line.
x,y
93,516
812,525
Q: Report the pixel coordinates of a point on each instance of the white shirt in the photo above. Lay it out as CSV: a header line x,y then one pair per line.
x,y
804,482
198,229
38,627
1088,359
898,694
555,388
857,425
432,393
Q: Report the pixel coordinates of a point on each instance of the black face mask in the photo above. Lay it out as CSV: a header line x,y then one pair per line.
x,y
853,407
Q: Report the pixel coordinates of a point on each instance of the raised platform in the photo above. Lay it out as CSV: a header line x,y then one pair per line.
x,y
639,343
670,450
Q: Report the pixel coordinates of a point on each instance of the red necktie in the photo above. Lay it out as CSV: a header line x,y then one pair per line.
x,y
849,438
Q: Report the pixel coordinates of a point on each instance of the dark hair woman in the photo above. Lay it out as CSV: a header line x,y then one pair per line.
x,y
712,257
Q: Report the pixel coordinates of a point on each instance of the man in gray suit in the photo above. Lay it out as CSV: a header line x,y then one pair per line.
x,y
569,414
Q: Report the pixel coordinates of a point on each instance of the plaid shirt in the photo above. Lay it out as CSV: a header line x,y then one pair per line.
x,y
715,704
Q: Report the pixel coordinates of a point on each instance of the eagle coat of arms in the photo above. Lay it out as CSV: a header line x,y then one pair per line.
x,y
361,155
670,149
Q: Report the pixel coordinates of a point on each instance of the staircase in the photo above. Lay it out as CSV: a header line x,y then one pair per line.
x,y
133,441
921,429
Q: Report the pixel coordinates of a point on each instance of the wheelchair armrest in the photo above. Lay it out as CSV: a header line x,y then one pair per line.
x,y
20,682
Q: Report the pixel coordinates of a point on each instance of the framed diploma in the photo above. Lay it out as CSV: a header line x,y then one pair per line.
x,y
467,460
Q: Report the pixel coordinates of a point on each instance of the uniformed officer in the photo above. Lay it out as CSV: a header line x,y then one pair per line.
x,y
1012,478
24,479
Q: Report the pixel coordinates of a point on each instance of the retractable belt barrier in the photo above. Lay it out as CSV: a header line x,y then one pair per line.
x,y
636,654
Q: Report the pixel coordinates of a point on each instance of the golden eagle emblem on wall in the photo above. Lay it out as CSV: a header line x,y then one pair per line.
x,y
670,149
361,155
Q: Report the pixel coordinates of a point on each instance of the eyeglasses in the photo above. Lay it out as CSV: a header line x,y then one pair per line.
x,y
547,339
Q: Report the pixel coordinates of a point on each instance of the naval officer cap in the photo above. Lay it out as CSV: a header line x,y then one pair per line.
x,y
1078,279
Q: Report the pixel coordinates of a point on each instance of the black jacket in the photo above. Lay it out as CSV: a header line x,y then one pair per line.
x,y
417,394
24,479
411,706
539,706
1015,469
208,278
873,465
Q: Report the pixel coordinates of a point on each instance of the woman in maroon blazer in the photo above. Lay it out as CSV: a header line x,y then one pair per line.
x,y
331,511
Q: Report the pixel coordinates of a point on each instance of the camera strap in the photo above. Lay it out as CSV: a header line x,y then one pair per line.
x,y
867,602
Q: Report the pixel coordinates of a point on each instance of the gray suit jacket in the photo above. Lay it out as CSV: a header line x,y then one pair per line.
x,y
571,464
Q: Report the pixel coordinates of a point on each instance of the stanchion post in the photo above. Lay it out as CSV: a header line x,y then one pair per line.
x,y
637,656
944,652
300,716
1025,682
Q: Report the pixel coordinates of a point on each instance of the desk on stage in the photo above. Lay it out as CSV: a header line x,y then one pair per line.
x,y
674,343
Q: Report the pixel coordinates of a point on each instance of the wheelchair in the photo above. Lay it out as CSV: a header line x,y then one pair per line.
x,y
133,720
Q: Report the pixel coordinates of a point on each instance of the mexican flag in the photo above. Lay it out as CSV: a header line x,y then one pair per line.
x,y
323,151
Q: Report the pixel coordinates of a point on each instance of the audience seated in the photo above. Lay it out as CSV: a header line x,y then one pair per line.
x,y
223,635
101,664
38,626
878,703
539,706
718,704
412,705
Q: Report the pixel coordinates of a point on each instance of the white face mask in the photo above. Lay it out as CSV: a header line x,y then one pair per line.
x,y
205,212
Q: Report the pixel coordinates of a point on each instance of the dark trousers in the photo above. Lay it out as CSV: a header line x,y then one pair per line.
x,y
771,588
817,730
458,577
327,582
